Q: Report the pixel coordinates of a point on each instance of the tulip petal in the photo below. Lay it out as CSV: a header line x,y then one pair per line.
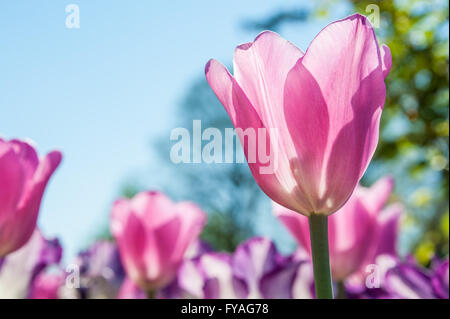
x,y
358,232
303,286
244,116
352,86
193,221
46,286
297,224
278,283
389,223
153,235
159,251
101,272
119,216
132,244
190,278
386,58
440,279
129,290
408,281
12,181
351,235
28,207
27,157
308,121
19,269
252,260
384,241
218,272
377,195
145,204
261,68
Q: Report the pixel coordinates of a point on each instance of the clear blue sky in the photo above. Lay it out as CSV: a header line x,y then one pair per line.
x,y
101,93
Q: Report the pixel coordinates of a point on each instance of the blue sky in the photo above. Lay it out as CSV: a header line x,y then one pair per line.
x,y
103,92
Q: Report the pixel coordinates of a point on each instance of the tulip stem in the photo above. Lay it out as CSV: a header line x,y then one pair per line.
x,y
318,229
151,293
340,287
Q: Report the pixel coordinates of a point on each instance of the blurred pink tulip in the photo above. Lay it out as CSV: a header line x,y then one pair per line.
x,y
23,178
358,233
320,111
46,286
129,290
153,234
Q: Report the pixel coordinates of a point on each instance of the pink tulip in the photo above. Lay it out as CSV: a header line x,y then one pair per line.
x,y
359,232
319,111
153,234
23,178
129,290
46,286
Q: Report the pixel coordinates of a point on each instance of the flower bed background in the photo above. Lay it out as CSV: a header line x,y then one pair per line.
x,y
238,254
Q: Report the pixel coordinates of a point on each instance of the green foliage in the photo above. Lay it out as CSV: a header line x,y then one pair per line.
x,y
223,233
418,96
128,190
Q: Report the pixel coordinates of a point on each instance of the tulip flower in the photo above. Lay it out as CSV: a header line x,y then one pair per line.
x,y
23,178
255,270
440,279
318,112
325,104
303,286
100,272
404,279
408,280
263,271
47,286
129,290
359,232
19,270
153,234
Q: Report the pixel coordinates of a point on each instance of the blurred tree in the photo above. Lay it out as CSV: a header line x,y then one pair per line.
x,y
418,95
274,22
228,192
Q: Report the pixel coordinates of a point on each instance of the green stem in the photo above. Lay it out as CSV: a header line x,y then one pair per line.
x,y
318,228
341,294
151,293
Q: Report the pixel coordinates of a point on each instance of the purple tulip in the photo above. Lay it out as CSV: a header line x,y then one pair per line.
x,y
408,280
440,279
47,286
255,270
403,280
19,270
100,270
